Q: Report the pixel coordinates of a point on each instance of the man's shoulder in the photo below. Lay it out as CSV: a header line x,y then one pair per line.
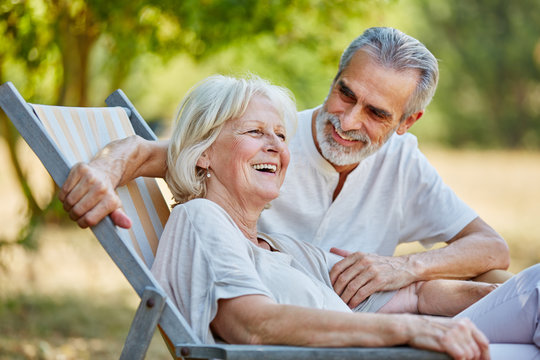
x,y
402,142
305,115
399,150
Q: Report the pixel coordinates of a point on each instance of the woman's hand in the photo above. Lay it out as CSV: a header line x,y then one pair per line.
x,y
457,337
88,195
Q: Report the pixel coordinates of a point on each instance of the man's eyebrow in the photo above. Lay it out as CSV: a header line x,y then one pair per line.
x,y
346,90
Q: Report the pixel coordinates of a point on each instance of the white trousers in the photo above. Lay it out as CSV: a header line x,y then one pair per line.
x,y
510,316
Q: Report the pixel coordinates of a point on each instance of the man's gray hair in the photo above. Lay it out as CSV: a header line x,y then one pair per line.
x,y
393,49
201,116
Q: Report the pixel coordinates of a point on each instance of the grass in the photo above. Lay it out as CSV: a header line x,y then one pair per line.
x,y
69,301
66,301
64,326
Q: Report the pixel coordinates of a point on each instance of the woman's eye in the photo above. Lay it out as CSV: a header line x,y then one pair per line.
x,y
255,131
282,136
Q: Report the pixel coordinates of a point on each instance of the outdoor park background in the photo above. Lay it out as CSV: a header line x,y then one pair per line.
x,y
60,295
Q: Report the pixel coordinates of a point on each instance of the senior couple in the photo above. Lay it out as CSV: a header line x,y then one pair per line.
x,y
357,186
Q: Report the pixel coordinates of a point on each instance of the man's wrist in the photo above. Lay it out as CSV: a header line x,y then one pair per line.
x,y
416,267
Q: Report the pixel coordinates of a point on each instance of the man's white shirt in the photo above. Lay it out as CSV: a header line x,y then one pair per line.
x,y
393,196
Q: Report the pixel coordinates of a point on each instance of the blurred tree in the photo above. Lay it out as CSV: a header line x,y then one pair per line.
x,y
47,47
493,47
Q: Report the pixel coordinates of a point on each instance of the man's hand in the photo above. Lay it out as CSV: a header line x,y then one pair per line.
x,y
88,196
359,275
88,193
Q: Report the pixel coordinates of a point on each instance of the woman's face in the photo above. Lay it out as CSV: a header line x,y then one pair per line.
x,y
249,158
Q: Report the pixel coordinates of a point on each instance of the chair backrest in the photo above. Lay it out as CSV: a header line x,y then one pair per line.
x,y
80,133
62,136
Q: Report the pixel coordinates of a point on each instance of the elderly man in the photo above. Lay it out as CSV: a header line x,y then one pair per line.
x,y
357,183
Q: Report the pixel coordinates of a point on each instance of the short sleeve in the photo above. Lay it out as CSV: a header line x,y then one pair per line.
x,y
203,257
432,211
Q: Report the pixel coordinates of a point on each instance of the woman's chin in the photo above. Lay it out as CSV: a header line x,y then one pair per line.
x,y
268,196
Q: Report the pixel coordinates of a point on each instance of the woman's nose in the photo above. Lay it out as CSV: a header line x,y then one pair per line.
x,y
275,143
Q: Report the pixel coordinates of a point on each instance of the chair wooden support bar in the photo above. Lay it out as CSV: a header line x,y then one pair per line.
x,y
144,324
268,352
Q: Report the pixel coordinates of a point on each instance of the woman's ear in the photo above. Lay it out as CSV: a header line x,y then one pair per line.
x,y
203,161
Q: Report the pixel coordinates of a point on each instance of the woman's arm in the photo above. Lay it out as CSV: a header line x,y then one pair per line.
x,y
88,193
256,319
437,297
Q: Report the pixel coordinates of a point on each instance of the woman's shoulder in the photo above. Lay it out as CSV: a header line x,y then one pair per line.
x,y
199,207
204,215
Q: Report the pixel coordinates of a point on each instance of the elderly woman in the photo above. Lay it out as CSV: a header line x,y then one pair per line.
x,y
227,160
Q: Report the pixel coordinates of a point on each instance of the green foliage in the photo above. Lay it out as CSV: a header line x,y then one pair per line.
x,y
490,70
57,51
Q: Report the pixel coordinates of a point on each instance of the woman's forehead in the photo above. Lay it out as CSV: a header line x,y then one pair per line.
x,y
260,111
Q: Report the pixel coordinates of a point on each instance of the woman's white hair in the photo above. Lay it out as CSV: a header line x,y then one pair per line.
x,y
201,116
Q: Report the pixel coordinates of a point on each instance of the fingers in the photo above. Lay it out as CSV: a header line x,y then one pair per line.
x,y
340,267
465,341
362,294
79,182
101,209
483,343
340,252
88,198
353,280
458,338
471,343
120,219
72,179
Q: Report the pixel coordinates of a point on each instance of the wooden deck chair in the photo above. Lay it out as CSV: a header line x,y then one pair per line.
x,y
62,136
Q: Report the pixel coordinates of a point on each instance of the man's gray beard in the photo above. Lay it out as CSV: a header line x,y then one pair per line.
x,y
336,153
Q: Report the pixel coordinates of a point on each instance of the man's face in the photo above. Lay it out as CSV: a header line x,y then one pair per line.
x,y
363,110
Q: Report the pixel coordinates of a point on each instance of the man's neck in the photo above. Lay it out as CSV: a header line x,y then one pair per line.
x,y
342,170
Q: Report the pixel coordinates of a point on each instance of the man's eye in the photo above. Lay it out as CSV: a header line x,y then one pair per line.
x,y
255,131
282,136
346,93
378,114
347,98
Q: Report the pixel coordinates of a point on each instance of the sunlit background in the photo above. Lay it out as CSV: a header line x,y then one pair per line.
x,y
62,298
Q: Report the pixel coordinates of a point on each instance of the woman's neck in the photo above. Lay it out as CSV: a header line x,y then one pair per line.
x,y
244,215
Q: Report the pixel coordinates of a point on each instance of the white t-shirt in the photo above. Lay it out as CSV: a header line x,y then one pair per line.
x,y
203,257
393,196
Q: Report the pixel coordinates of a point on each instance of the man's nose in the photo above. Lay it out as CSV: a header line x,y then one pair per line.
x,y
352,119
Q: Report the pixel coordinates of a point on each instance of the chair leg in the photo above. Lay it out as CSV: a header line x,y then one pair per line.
x,y
143,325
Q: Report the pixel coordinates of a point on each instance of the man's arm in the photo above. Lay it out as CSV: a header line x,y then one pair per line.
x,y
476,249
88,193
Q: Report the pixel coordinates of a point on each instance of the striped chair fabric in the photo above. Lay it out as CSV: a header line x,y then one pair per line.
x,y
80,133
